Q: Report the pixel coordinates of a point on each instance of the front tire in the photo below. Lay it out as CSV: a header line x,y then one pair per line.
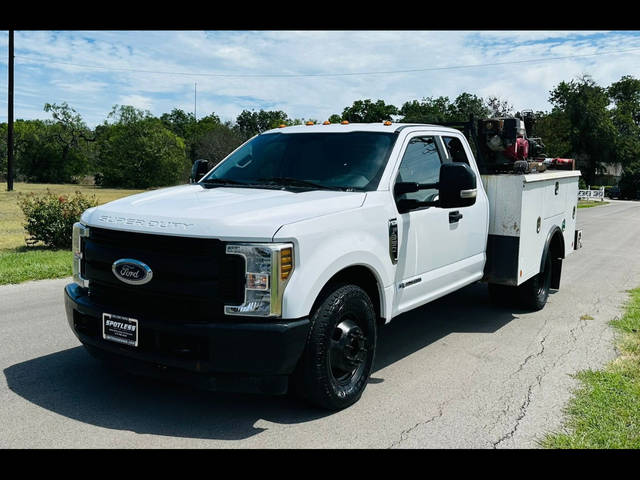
x,y
338,358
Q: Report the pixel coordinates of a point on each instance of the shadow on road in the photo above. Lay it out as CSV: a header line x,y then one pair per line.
x,y
73,384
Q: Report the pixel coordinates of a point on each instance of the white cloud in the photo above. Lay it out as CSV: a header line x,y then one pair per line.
x,y
138,101
53,67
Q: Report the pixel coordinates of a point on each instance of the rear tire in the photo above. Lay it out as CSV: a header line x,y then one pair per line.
x,y
338,358
533,293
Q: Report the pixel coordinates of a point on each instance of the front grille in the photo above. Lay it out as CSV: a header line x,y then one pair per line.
x,y
193,278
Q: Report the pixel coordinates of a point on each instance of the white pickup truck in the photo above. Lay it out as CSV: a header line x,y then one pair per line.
x,y
274,272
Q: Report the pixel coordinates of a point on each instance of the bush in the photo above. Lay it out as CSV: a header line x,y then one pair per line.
x,y
50,217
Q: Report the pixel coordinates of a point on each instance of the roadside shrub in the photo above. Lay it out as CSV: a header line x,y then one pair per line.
x,y
50,217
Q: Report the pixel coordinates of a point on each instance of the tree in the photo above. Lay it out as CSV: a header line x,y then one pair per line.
x,y
72,136
499,107
138,151
179,122
625,116
592,133
252,123
217,143
555,131
429,110
442,110
625,95
37,159
366,111
186,127
466,105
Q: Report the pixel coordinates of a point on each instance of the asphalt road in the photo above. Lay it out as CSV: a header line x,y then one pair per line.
x,y
457,373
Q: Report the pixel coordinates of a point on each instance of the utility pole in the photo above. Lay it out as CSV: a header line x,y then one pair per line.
x,y
195,94
10,118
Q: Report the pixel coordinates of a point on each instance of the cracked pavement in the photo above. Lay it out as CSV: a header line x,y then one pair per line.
x,y
457,373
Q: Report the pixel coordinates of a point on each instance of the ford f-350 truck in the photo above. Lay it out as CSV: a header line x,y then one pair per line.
x,y
275,271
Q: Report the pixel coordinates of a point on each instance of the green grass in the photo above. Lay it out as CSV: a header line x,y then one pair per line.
x,y
605,411
590,203
19,263
33,263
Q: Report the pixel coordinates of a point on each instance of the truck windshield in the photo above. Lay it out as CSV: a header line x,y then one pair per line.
x,y
345,161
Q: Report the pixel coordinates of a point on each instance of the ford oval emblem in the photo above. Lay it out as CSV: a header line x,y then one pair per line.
x,y
132,271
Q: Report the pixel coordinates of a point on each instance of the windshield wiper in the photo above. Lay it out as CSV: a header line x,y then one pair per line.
x,y
221,181
295,182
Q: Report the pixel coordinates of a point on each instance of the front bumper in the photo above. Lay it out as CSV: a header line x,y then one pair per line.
x,y
234,356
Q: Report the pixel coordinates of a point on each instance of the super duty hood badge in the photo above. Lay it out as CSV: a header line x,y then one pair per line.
x,y
131,271
141,222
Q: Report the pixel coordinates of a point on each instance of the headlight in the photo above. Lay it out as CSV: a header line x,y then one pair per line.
x,y
268,267
79,231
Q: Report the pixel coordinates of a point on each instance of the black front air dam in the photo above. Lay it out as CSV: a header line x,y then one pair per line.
x,y
236,355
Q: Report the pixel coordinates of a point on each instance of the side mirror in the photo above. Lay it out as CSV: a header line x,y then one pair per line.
x,y
458,186
199,170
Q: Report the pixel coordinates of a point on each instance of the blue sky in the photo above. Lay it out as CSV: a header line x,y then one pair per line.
x,y
307,74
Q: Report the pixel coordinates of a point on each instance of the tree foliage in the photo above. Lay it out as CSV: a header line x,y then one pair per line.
x,y
252,123
138,151
217,142
499,107
625,95
592,133
366,111
442,110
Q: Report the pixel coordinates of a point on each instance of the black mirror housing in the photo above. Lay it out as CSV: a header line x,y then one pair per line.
x,y
458,185
199,170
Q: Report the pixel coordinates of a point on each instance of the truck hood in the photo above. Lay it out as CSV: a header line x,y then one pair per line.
x,y
221,212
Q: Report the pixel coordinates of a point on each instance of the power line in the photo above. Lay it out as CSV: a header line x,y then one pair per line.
x,y
289,75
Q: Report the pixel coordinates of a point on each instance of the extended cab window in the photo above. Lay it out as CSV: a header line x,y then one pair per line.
x,y
421,164
455,149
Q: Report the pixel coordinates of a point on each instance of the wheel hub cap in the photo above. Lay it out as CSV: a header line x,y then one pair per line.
x,y
348,346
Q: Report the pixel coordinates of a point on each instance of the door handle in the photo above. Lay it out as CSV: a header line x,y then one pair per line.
x,y
454,217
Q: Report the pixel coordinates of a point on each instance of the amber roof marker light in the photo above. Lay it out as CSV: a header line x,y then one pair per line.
x,y
387,123
344,122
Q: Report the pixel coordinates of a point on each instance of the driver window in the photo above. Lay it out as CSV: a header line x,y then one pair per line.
x,y
421,164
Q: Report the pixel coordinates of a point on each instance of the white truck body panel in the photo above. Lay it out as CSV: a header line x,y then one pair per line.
x,y
517,201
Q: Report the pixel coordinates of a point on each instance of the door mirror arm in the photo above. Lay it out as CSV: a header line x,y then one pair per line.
x,y
408,204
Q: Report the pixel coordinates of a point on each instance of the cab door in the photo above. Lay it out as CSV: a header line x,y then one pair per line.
x,y
444,247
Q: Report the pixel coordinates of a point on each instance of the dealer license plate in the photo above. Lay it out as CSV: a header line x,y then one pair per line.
x,y
120,329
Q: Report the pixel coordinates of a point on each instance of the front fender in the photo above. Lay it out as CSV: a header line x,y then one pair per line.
x,y
322,250
300,296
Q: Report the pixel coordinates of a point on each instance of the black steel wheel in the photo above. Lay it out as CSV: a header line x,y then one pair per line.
x,y
533,293
338,358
